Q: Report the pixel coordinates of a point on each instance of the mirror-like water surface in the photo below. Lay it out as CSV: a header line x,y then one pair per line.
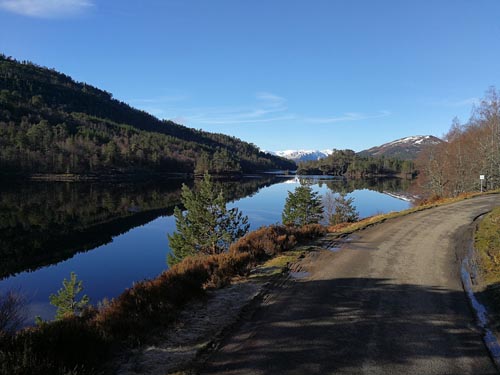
x,y
111,235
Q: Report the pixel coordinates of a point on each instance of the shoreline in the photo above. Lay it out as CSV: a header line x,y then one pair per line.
x,y
127,177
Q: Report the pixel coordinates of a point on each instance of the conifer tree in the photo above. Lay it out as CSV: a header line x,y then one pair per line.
x,y
303,206
66,298
207,227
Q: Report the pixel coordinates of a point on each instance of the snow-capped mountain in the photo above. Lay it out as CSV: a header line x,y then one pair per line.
x,y
302,155
404,148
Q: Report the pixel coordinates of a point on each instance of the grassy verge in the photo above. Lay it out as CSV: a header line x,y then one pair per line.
x,y
487,245
346,228
277,265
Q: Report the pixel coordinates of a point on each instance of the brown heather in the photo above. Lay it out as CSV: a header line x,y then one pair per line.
x,y
79,345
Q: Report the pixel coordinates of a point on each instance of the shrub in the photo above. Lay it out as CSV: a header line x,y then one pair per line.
x,y
340,209
70,345
11,312
310,231
229,266
275,239
154,302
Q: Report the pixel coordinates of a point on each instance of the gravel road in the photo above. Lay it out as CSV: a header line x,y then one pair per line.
x,y
390,301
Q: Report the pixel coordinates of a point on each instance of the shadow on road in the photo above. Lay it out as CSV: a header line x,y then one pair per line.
x,y
344,325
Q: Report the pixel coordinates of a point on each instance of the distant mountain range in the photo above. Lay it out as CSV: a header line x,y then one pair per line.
x,y
303,155
404,148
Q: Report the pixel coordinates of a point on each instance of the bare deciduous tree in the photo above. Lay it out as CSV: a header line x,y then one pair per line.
x,y
12,306
470,150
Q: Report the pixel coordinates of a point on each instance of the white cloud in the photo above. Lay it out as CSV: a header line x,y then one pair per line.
x,y
46,8
349,116
271,99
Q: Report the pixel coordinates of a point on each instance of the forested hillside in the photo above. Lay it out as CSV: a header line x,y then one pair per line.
x,y
348,163
51,124
471,149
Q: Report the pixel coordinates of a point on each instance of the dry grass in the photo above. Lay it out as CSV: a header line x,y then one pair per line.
x,y
423,205
277,265
487,244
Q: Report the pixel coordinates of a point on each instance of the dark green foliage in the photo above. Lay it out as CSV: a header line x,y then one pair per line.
x,y
52,124
221,163
347,163
340,209
303,206
207,227
66,300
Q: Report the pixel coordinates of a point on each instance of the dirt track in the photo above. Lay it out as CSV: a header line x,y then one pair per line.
x,y
389,302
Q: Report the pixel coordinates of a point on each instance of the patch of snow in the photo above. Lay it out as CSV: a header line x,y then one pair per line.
x,y
483,319
299,155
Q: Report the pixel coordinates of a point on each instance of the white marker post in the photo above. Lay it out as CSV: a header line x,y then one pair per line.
x,y
481,177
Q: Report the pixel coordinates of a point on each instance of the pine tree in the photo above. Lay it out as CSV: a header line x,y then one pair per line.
x,y
207,227
302,207
66,298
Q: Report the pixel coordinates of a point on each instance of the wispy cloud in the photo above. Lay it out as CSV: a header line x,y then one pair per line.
x,y
468,102
232,120
164,99
269,108
46,8
159,106
349,116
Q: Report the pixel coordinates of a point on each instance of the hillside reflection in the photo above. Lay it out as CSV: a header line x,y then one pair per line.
x,y
340,185
45,223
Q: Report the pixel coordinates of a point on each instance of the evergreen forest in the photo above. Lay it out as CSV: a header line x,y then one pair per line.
x,y
51,124
348,163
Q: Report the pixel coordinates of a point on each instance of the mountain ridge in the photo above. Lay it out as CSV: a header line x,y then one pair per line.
x,y
303,155
406,148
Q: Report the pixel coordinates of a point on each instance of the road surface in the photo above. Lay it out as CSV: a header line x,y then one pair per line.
x,y
390,301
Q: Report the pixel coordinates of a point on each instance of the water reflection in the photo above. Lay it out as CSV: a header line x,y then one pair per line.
x,y
46,229
341,185
45,223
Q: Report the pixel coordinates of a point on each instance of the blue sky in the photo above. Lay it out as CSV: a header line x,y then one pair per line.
x,y
282,74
